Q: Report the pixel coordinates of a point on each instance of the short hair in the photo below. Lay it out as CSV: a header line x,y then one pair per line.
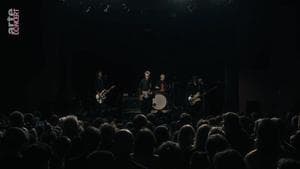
x,y
145,142
147,72
201,136
216,130
170,155
14,139
29,119
162,134
70,125
186,136
140,121
267,134
288,164
229,159
231,121
16,119
295,140
123,142
216,143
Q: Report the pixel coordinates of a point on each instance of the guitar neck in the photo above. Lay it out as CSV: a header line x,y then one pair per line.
x,y
208,91
110,88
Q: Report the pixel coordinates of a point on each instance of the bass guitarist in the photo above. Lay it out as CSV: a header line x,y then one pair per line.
x,y
101,93
195,100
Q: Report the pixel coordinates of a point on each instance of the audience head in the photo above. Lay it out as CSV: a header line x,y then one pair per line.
x,y
107,132
29,120
201,122
139,121
162,134
186,136
281,127
151,117
14,140
53,119
185,118
70,126
231,122
129,125
247,124
288,164
216,143
123,143
295,142
216,130
98,122
267,135
295,123
170,155
16,119
145,142
229,159
212,121
90,138
201,137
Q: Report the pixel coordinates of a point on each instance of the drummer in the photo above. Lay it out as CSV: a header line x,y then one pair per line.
x,y
162,85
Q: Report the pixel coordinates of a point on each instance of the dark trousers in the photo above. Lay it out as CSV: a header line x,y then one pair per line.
x,y
101,110
146,105
197,111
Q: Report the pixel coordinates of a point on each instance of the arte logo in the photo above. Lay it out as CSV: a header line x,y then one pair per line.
x,y
13,21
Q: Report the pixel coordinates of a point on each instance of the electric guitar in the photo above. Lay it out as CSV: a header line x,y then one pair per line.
x,y
101,96
145,94
197,97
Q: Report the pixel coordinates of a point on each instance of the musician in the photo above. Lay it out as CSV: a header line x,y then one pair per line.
x,y
145,93
162,85
99,84
196,86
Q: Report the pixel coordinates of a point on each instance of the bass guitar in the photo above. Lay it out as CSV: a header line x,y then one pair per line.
x,y
197,97
101,96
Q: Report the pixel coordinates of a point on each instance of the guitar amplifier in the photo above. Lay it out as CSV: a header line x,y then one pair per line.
x,y
130,104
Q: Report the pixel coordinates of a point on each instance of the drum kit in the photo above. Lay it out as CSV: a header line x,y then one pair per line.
x,y
159,101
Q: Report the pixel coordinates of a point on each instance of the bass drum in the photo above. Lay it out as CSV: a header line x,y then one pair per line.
x,y
159,101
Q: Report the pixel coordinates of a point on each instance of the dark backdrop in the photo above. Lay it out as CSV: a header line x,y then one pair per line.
x,y
61,46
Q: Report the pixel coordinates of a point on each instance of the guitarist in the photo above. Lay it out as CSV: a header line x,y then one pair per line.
x,y
100,87
195,88
145,93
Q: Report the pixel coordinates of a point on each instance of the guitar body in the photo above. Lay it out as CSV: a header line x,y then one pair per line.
x,y
145,95
193,102
101,96
193,99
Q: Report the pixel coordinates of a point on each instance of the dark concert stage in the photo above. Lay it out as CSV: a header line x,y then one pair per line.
x,y
247,48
